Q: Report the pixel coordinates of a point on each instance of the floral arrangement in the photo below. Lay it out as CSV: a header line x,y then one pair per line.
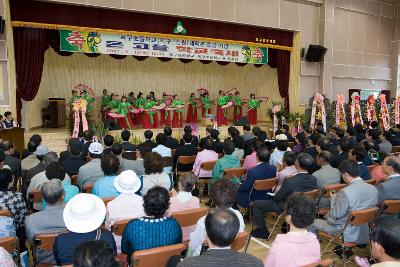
x,y
396,114
340,113
276,112
371,111
318,112
355,111
384,113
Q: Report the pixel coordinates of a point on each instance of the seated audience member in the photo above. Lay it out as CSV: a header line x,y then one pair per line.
x,y
247,133
343,147
203,156
303,245
372,135
377,172
153,230
66,154
286,169
171,142
301,182
286,131
208,136
94,253
326,175
226,162
108,141
351,136
154,174
91,171
163,150
233,132
262,171
371,155
148,135
187,149
250,161
217,145
7,227
116,150
281,148
195,139
9,122
49,220
360,133
300,145
6,259
136,165
35,170
13,163
87,141
394,139
312,142
390,188
37,140
385,145
104,187
75,161
184,200
357,195
14,202
222,227
239,144
357,154
128,205
31,160
223,194
55,170
83,216
126,144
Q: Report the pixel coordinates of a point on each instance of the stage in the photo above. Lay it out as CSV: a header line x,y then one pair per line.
x,y
56,139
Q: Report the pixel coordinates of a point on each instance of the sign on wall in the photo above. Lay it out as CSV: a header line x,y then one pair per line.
x,y
137,45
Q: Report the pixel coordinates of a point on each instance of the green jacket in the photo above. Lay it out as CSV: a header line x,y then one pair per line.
x,y
226,162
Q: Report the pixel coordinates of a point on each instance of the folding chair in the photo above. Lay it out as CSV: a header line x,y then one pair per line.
x,y
5,213
189,218
205,166
356,218
395,149
312,194
156,256
323,263
390,207
119,227
167,162
184,160
130,155
43,242
240,241
87,188
173,151
11,245
232,173
35,197
326,193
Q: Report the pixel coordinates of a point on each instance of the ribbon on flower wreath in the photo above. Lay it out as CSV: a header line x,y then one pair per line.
x,y
397,110
340,112
79,106
371,112
384,112
275,110
318,103
355,111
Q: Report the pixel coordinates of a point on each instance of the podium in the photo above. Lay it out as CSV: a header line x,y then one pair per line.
x,y
16,136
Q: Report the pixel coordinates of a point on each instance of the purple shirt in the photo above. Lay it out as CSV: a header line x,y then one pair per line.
x,y
250,161
285,172
204,156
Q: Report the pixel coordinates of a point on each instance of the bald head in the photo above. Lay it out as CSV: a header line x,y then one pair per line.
x,y
391,165
222,227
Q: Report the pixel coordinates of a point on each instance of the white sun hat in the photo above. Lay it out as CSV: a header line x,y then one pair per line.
x,y
84,213
127,182
281,137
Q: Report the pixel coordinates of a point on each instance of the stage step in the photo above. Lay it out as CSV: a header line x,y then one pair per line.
x,y
55,140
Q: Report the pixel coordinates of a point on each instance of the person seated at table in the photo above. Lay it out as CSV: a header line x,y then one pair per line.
x,y
188,149
94,253
83,216
303,246
153,230
207,154
9,122
226,162
104,187
184,200
154,173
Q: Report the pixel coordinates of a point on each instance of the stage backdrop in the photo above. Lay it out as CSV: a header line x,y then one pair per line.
x,y
61,74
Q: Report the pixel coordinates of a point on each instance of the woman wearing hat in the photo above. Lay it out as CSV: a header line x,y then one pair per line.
x,y
83,216
127,205
281,148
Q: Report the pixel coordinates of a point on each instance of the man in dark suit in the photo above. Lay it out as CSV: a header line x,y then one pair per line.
x,y
74,162
311,149
171,142
108,141
88,137
217,145
13,163
186,150
301,182
203,140
222,227
343,148
357,154
126,145
148,134
195,139
263,170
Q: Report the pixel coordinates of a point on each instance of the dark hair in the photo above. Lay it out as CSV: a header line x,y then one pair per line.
x,y
187,137
263,154
110,164
359,152
387,234
5,179
314,138
153,163
161,139
32,146
7,145
233,131
222,227
289,158
36,138
374,124
168,131
282,145
255,144
359,128
214,134
144,149
75,147
148,134
55,170
2,156
326,156
374,133
94,253
351,131
125,135
7,113
301,136
320,130
229,147
187,180
301,209
238,141
324,143
156,202
340,133
187,129
208,144
278,132
285,127
305,161
246,128
387,135
117,149
88,135
349,166
223,193
108,140
393,162
256,130
344,144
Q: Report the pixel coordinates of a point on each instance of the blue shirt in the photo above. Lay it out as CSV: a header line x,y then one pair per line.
x,y
69,192
6,227
146,233
105,187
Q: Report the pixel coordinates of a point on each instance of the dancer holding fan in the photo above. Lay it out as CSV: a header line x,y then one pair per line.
x,y
105,99
177,119
192,109
222,105
139,103
150,118
253,104
237,107
206,102
122,113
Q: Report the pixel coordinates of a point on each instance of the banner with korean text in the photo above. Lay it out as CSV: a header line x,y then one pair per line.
x,y
138,45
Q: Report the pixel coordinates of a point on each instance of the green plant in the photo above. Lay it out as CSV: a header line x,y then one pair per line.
x,y
117,140
283,112
99,129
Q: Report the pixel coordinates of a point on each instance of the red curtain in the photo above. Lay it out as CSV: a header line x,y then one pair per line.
x,y
280,59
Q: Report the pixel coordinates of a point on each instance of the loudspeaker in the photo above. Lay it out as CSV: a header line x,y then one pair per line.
x,y
315,53
242,121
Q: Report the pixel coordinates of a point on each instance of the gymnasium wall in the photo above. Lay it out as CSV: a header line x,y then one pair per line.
x,y
61,74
